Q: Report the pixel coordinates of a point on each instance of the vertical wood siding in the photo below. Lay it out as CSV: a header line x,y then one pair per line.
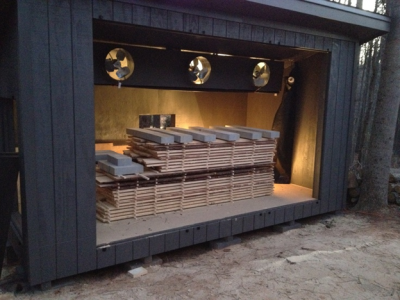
x,y
57,137
55,104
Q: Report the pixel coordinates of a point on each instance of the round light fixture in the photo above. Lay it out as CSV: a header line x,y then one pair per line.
x,y
199,70
261,74
119,64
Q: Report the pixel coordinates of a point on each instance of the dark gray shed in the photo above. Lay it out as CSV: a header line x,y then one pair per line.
x,y
49,57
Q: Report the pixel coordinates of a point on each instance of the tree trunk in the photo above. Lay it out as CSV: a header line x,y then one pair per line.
x,y
359,4
374,191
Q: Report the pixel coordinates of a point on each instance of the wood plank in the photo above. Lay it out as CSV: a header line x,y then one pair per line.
x,y
178,137
151,135
202,137
220,134
247,134
82,35
63,130
38,193
265,133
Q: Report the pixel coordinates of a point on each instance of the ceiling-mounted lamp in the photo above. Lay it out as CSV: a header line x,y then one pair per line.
x,y
119,64
199,70
261,74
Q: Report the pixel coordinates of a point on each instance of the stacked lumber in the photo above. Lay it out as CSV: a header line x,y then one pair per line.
x,y
188,168
195,155
160,194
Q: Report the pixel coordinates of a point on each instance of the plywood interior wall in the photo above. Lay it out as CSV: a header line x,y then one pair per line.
x,y
116,109
310,99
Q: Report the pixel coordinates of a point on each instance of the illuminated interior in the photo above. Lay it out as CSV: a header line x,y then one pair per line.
x,y
119,108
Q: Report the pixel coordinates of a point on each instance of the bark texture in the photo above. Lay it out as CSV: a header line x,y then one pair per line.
x,y
374,189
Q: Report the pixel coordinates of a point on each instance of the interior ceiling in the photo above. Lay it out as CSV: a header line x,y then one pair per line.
x,y
138,35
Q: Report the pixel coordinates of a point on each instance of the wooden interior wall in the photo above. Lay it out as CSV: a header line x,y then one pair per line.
x,y
56,120
311,92
57,137
117,109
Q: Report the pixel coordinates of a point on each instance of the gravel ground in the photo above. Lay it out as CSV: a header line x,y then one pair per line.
x,y
347,256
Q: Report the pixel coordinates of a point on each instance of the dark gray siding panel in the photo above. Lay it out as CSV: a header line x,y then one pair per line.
x,y
200,234
309,41
245,32
103,9
290,38
225,228
140,15
141,248
186,237
105,257
159,18
307,210
259,220
232,30
84,134
269,35
319,43
279,216
298,211
191,23
315,208
212,231
172,241
62,112
219,28
257,34
175,21
237,225
248,223
35,132
289,213
123,252
269,218
157,244
122,12
205,25
279,36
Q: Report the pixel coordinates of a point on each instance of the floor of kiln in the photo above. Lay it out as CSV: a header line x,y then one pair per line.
x,y
129,228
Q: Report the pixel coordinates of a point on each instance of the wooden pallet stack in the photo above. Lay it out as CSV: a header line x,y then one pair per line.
x,y
187,175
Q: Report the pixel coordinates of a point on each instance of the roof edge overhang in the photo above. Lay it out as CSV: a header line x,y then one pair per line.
x,y
313,15
360,24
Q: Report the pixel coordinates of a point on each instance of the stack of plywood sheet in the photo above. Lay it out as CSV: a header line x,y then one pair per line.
x,y
212,166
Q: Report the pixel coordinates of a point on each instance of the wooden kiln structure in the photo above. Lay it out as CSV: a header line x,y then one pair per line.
x,y
52,56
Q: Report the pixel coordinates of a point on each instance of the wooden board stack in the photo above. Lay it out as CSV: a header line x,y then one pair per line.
x,y
187,175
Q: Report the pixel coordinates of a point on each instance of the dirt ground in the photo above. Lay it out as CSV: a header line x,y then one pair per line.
x,y
347,256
